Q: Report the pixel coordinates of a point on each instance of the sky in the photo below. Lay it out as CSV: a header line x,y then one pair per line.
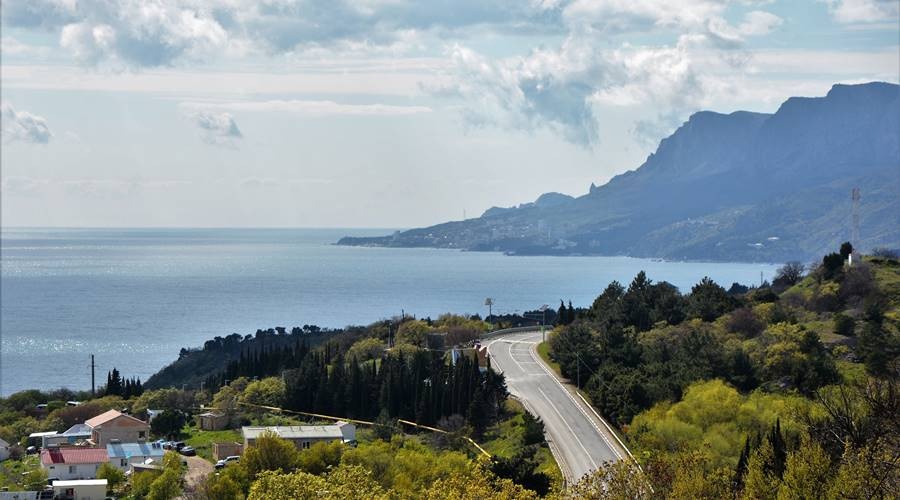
x,y
383,113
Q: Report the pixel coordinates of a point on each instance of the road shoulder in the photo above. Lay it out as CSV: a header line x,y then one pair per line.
x,y
606,430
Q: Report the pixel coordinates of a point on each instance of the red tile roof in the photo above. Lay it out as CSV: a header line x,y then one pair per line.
x,y
74,456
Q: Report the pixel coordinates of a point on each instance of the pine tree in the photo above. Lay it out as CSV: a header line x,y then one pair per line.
x,y
561,314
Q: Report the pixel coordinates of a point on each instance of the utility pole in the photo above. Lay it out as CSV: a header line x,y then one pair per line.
x,y
578,369
93,384
854,233
544,321
490,303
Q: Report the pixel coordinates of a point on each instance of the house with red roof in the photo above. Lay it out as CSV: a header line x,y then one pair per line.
x,y
117,427
73,462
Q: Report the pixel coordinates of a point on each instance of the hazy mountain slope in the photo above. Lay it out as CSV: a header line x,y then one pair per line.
x,y
742,186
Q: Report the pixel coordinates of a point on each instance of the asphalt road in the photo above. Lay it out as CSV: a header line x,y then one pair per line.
x,y
579,439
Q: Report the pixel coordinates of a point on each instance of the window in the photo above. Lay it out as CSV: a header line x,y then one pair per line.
x,y
306,445
142,434
123,462
72,469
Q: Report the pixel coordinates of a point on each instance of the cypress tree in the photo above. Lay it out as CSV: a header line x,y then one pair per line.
x,y
741,469
779,450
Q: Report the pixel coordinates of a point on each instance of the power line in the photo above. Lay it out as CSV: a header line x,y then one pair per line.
x,y
362,422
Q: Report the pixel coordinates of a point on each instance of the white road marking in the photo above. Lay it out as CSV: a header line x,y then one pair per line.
x,y
531,347
574,434
515,360
580,408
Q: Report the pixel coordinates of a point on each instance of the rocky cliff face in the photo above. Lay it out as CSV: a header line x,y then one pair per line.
x,y
742,186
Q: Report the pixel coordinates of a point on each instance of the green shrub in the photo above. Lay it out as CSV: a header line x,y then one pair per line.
x,y
844,325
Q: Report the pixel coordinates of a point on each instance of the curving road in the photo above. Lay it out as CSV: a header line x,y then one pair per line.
x,y
580,440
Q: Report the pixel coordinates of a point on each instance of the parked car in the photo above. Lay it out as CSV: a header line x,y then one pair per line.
x,y
31,450
187,451
176,445
227,460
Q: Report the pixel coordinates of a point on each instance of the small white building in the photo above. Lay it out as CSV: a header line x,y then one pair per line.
x,y
4,450
38,438
73,463
85,489
124,455
303,436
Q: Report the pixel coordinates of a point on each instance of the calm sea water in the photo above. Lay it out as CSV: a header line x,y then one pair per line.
x,y
134,297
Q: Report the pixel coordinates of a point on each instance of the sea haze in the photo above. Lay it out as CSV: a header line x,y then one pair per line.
x,y
135,297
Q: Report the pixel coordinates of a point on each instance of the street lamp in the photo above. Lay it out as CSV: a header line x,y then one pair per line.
x,y
490,303
542,317
543,310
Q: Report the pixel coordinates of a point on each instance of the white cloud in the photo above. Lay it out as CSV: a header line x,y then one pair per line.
x,y
273,183
561,89
23,126
864,11
331,76
143,33
758,23
10,46
310,108
633,15
94,188
218,129
88,43
152,33
20,186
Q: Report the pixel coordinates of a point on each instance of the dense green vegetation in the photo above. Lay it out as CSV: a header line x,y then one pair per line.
x,y
789,390
406,381
734,393
378,374
195,365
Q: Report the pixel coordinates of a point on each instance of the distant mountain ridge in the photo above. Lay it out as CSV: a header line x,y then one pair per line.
x,y
741,187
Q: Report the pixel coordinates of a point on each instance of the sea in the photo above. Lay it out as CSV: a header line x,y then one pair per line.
x,y
134,297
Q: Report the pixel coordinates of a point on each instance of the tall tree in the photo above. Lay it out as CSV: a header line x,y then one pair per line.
x,y
708,300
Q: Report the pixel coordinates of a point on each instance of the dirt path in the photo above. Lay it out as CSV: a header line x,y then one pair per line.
x,y
198,468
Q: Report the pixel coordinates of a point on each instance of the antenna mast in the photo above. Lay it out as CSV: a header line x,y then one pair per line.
x,y
854,235
93,386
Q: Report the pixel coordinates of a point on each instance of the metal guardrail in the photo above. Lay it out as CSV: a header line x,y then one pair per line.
x,y
517,329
